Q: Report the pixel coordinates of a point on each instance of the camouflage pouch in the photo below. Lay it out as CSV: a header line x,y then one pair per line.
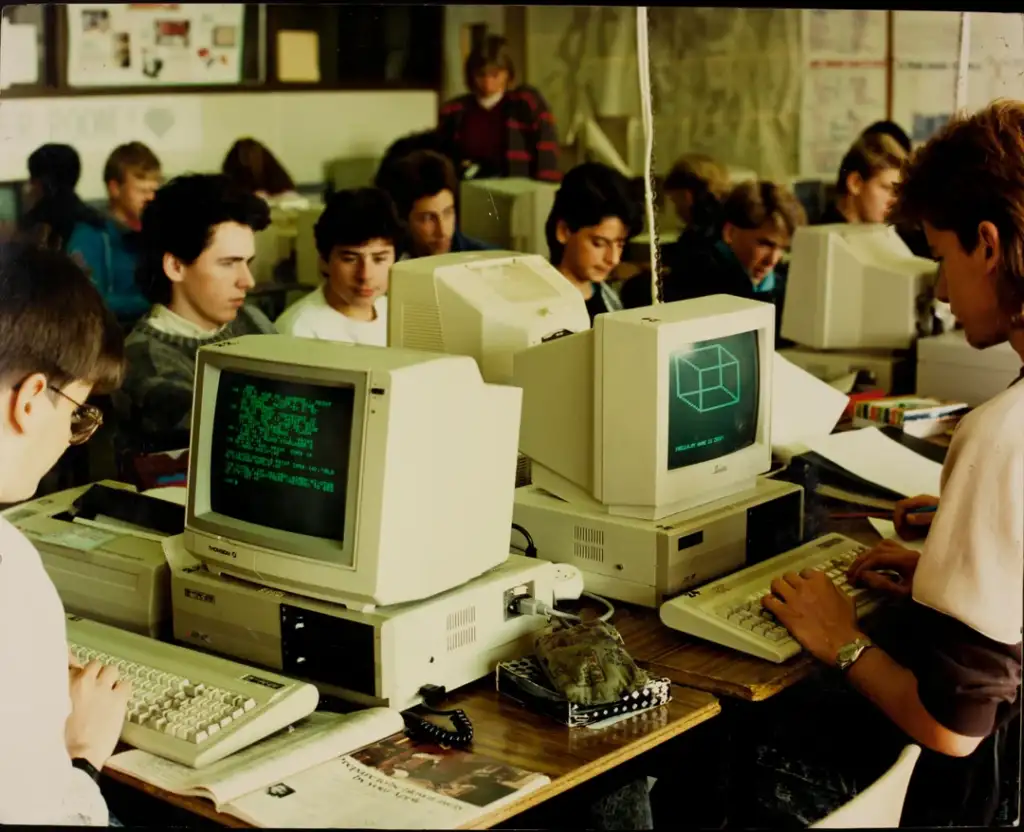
x,y
587,662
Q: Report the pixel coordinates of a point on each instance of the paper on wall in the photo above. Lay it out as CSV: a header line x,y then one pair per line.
x,y
298,57
871,455
154,44
19,57
803,407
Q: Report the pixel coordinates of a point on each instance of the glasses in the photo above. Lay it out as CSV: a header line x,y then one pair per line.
x,y
85,418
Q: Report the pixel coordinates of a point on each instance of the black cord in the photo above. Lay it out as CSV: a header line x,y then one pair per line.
x,y
422,729
531,549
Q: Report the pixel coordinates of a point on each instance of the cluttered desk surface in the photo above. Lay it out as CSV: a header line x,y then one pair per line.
x,y
513,735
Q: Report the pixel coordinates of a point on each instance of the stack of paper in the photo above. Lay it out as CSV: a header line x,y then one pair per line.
x,y
803,408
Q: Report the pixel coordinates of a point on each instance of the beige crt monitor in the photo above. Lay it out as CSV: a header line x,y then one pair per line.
x,y
507,213
359,475
487,305
655,410
856,287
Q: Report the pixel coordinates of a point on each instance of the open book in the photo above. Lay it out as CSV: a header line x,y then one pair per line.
x,y
308,743
393,784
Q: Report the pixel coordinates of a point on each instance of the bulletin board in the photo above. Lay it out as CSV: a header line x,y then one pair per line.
x,y
154,44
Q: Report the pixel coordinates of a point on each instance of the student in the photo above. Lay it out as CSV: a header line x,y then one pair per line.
x,y
356,237
696,186
947,676
197,242
60,723
53,209
132,176
251,167
865,188
424,186
893,131
505,131
596,212
758,220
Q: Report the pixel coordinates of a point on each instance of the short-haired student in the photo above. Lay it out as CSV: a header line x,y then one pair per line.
x,y
197,243
355,238
59,721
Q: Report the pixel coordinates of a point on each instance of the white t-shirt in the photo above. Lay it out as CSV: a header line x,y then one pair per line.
x,y
314,317
38,784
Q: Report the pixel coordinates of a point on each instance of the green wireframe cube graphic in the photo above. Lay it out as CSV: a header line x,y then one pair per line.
x,y
708,378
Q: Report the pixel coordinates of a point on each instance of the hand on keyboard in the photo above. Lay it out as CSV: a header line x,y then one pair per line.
x,y
889,568
99,701
816,613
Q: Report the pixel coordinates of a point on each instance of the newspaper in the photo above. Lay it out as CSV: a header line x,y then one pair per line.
x,y
314,740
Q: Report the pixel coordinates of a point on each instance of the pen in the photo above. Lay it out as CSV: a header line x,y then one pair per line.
x,y
922,510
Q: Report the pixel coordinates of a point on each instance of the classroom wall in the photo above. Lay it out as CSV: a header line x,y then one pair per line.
x,y
193,132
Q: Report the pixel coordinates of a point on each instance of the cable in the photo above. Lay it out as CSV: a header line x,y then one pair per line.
x,y
534,606
647,112
531,549
422,729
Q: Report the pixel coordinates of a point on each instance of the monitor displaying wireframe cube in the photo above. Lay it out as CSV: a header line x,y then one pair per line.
x,y
655,410
713,397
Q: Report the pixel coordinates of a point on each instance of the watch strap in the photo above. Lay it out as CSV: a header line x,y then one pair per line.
x,y
84,765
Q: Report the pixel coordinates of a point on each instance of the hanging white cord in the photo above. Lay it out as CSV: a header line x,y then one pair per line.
x,y
647,112
960,102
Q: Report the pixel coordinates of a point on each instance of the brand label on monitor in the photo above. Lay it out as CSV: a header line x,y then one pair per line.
x,y
195,595
259,680
220,551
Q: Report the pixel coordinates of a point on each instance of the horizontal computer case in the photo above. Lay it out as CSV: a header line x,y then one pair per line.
x,y
647,562
382,657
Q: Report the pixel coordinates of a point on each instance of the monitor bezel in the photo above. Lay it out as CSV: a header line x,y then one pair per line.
x,y
200,515
615,477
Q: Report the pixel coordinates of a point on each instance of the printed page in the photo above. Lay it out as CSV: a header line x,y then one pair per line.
x,y
887,529
873,456
803,407
308,743
344,794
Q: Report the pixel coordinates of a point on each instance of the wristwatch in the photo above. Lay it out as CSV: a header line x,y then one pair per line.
x,y
84,765
849,653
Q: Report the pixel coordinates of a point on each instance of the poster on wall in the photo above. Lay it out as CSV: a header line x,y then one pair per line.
x,y
154,44
844,84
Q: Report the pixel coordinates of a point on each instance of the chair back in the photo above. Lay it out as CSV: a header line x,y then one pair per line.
x,y
880,805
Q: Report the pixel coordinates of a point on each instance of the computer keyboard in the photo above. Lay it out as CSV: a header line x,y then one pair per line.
x,y
187,706
729,612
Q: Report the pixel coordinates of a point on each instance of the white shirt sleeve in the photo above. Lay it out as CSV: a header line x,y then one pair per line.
x,y
38,784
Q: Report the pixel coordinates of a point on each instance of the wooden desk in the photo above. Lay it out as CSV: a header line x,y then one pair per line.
x,y
514,735
705,666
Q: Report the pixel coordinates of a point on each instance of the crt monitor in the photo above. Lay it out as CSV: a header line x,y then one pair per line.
x,y
354,474
856,286
507,213
655,410
487,305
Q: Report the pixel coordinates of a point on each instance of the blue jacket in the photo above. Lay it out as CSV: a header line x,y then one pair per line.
x,y
109,252
460,242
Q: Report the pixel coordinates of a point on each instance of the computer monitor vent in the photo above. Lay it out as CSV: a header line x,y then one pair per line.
x,y
421,328
524,471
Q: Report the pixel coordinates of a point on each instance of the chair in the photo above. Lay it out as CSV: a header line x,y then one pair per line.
x,y
880,805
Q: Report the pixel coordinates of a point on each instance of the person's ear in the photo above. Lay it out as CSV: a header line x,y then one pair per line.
x,y
114,190
173,268
728,233
854,183
27,403
988,243
322,267
562,232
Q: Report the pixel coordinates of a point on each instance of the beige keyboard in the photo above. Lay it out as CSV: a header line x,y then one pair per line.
x,y
188,706
728,611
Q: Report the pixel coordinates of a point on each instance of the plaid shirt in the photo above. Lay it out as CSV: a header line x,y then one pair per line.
x,y
531,147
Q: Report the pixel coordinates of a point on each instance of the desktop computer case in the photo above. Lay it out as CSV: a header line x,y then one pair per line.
x,y
377,658
648,562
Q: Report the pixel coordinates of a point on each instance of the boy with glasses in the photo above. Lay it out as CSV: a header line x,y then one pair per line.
x,y
59,721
